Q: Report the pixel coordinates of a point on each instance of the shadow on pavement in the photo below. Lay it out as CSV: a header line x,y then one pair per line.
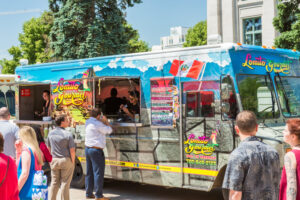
x,y
122,190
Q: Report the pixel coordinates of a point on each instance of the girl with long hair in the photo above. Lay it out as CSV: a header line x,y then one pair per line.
x,y
27,149
46,153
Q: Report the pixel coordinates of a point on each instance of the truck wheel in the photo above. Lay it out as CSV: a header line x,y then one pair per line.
x,y
78,180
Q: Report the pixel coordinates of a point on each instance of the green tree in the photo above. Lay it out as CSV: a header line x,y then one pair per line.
x,y
197,35
34,43
135,44
287,22
10,65
89,28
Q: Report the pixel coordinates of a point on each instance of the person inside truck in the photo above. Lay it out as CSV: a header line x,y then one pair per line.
x,y
133,106
46,105
112,104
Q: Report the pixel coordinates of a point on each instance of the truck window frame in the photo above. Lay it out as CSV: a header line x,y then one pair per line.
x,y
198,92
96,79
221,99
272,85
276,85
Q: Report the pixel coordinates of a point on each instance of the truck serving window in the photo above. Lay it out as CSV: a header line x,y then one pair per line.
x,y
289,95
257,95
116,95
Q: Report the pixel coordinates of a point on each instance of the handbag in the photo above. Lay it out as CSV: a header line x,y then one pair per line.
x,y
35,187
5,173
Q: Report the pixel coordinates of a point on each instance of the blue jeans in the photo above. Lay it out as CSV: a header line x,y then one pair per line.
x,y
95,165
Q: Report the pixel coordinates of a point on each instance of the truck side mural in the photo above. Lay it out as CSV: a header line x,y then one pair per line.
x,y
188,100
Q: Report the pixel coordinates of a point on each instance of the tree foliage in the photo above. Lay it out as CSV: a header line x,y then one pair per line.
x,y
34,43
197,35
90,28
287,22
135,44
10,65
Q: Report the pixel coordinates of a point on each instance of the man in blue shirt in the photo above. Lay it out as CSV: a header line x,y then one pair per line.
x,y
96,129
253,169
9,131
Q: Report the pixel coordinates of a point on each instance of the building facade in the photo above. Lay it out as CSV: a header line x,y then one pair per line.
x,y
174,40
243,21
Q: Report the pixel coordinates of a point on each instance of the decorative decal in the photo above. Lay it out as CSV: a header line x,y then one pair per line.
x,y
270,65
199,150
70,93
74,99
164,102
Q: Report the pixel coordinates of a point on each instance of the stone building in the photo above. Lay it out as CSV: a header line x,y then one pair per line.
x,y
244,21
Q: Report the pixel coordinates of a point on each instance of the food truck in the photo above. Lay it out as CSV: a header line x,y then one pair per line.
x,y
188,99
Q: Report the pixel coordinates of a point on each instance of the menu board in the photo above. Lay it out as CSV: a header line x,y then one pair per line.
x,y
164,102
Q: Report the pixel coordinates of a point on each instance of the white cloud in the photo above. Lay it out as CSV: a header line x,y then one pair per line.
x,y
113,63
97,68
20,12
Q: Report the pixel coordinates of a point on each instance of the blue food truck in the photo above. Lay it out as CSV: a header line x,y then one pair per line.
x,y
188,99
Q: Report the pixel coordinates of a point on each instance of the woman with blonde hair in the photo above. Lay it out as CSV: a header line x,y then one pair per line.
x,y
30,160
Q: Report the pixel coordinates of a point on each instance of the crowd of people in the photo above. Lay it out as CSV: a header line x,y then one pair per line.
x,y
253,170
24,154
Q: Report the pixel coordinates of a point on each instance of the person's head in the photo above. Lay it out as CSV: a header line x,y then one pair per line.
x,y
46,95
28,137
291,133
96,113
246,123
1,143
4,113
38,132
134,97
113,92
62,121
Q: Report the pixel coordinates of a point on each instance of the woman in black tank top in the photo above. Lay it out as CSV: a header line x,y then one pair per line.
x,y
46,105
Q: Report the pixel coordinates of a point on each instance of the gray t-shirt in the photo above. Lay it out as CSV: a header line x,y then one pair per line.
x,y
10,135
60,141
254,169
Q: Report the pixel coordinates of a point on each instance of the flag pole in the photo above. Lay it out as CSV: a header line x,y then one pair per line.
x,y
180,128
201,77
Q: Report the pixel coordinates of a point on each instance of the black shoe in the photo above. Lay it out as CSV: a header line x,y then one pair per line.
x,y
90,197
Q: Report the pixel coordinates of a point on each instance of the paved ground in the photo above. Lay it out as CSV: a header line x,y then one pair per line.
x,y
119,190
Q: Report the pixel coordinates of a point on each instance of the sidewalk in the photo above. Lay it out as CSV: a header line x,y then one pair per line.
x,y
79,194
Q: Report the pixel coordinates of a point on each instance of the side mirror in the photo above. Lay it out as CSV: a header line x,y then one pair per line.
x,y
225,107
226,88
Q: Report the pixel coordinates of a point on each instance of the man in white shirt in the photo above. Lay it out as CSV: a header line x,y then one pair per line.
x,y
96,129
9,131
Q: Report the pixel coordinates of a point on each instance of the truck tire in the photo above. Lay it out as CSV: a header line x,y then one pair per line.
x,y
78,180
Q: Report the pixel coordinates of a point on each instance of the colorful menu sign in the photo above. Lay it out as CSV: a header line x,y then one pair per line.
x,y
200,150
164,102
73,98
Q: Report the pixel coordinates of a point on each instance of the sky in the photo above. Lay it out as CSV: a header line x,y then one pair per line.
x,y
152,18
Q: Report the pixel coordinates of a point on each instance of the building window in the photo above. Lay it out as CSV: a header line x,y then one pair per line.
x,y
252,31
